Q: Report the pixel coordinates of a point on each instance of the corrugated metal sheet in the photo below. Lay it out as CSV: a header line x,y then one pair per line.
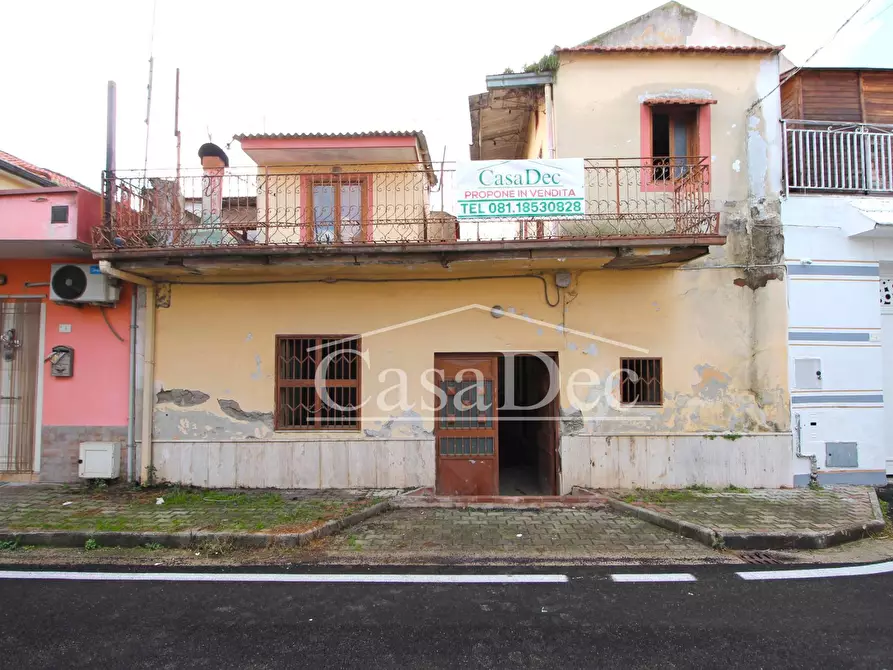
x,y
674,48
305,136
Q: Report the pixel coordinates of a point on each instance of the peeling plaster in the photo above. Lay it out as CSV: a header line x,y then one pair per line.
x,y
677,94
172,424
409,424
182,397
232,409
736,166
713,382
571,421
257,374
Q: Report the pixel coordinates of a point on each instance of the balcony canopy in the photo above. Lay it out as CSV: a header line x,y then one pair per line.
x,y
338,148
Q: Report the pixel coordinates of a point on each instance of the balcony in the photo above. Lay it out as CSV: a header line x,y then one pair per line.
x,y
356,209
47,221
832,157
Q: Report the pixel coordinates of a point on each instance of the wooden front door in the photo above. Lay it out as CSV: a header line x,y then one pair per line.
x,y
465,427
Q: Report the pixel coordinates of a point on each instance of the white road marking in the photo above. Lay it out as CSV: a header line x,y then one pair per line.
x,y
279,577
655,577
816,573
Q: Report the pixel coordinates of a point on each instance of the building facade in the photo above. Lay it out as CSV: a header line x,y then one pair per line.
x,y
304,321
838,224
63,365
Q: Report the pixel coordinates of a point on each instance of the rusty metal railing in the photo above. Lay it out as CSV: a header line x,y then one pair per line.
x,y
838,157
390,204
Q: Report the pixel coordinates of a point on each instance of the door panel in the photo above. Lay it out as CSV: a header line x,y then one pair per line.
x,y
465,428
547,438
19,355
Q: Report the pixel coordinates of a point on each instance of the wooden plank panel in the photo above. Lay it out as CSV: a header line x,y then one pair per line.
x,y
790,98
831,96
877,91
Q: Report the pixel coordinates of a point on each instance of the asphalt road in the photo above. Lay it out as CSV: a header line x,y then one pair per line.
x,y
718,621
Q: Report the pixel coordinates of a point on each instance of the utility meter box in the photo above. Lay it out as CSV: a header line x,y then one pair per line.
x,y
99,460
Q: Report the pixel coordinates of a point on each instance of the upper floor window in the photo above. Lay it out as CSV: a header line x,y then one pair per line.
x,y
676,142
59,214
338,206
674,139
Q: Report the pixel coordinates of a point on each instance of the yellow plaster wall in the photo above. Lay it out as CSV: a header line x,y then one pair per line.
x,y
598,102
10,181
399,200
220,341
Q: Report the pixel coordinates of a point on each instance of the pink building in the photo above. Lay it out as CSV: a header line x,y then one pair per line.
x,y
64,328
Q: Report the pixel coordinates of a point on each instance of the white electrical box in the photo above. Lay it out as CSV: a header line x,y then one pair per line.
x,y
99,460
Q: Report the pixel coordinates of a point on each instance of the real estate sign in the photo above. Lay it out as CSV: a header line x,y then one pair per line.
x,y
523,189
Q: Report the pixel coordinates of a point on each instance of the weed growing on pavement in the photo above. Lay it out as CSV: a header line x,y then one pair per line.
x,y
731,488
153,546
814,485
353,543
665,495
91,545
97,484
731,436
9,545
700,488
214,547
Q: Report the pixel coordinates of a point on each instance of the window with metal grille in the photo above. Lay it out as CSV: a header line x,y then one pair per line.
x,y
641,381
59,214
317,382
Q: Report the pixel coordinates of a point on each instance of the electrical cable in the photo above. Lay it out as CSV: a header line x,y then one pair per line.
x,y
375,281
814,53
109,324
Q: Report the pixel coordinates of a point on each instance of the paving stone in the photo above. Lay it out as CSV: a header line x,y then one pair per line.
x,y
767,510
548,531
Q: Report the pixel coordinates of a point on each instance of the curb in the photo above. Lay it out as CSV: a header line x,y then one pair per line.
x,y
756,541
132,539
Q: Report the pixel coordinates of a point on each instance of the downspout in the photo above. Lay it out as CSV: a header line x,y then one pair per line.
x,y
105,267
131,398
550,121
146,467
798,441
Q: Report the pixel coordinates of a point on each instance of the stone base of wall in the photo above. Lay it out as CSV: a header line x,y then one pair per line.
x,y
762,460
60,448
297,464
593,461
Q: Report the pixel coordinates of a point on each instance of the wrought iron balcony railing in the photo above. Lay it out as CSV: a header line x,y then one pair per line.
x,y
361,205
828,156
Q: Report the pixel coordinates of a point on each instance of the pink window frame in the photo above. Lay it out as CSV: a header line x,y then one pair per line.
x,y
648,184
307,222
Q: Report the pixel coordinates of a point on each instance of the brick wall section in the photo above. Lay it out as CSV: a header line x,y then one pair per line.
x,y
60,447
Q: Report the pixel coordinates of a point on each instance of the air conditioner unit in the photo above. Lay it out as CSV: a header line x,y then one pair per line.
x,y
82,283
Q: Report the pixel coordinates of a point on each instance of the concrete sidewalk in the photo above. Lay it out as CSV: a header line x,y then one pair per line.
x,y
760,519
674,525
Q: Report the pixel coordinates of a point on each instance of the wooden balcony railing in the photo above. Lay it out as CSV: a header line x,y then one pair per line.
x,y
361,205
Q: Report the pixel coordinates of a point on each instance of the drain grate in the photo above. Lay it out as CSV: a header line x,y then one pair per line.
x,y
761,558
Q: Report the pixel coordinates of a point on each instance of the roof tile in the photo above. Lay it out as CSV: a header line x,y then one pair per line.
x,y
58,179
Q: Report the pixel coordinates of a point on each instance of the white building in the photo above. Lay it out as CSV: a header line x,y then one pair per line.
x,y
838,227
